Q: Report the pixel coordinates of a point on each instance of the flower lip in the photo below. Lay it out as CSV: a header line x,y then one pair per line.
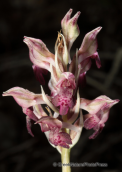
x,y
60,138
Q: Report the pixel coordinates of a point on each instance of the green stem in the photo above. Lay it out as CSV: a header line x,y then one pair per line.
x,y
65,160
65,156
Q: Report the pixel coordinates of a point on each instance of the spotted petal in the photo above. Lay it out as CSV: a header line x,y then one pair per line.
x,y
60,139
51,123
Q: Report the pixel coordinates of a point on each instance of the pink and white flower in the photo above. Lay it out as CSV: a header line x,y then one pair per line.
x,y
66,77
98,113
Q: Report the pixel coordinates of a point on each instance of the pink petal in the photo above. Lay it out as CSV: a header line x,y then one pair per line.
x,y
105,111
39,54
63,109
44,127
51,123
63,96
41,64
98,130
62,139
65,93
94,106
89,44
29,113
65,137
55,100
91,121
24,97
85,65
70,28
65,100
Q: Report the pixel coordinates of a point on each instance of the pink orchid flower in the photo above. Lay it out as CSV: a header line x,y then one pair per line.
x,y
52,127
98,113
64,127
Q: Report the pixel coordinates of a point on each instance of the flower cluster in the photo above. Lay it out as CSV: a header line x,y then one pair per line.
x,y
64,126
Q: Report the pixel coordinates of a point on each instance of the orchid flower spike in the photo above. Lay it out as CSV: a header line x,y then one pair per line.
x,y
64,120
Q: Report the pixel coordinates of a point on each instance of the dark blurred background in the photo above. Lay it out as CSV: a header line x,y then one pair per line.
x,y
19,152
